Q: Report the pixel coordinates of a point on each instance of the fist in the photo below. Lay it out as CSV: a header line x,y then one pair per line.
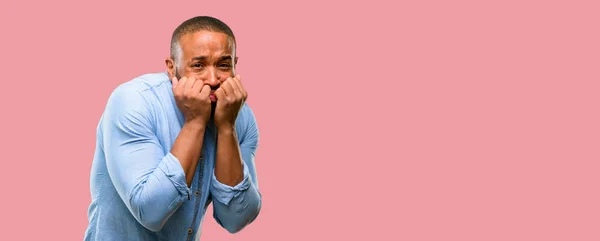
x,y
230,96
192,98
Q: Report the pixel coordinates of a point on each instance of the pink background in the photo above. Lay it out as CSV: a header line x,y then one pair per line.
x,y
436,120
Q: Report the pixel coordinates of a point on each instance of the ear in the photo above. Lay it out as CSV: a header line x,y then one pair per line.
x,y
235,60
170,64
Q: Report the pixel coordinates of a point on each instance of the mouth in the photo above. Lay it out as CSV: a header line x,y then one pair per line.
x,y
213,98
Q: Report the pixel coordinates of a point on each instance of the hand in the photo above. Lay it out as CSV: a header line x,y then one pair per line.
x,y
230,99
192,98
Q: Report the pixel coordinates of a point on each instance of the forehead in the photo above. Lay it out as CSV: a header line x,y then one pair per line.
x,y
205,43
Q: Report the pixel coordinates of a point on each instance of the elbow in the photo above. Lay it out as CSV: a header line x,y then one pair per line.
x,y
237,213
154,200
152,221
243,220
235,228
152,225
151,215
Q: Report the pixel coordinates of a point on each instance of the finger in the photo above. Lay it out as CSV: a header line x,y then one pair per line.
x,y
239,78
174,82
235,85
198,85
189,84
220,94
242,89
180,85
227,88
205,91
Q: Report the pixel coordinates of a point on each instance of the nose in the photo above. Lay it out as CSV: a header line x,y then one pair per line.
x,y
212,79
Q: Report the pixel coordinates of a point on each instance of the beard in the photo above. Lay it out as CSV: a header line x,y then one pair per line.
x,y
177,74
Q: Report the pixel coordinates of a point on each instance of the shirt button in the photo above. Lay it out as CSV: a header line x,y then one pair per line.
x,y
190,230
197,194
201,156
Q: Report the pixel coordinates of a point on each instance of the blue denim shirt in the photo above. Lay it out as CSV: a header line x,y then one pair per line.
x,y
138,187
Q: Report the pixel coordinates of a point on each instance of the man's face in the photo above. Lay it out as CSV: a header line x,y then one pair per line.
x,y
207,56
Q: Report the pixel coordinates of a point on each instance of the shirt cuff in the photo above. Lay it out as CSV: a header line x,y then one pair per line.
x,y
174,172
224,193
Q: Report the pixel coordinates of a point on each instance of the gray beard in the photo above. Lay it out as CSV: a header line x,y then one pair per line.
x,y
177,74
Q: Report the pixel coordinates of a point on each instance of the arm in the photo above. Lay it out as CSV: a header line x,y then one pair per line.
x,y
187,148
151,183
235,206
228,166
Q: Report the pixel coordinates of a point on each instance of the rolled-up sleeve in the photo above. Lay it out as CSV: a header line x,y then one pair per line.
x,y
150,182
224,193
236,207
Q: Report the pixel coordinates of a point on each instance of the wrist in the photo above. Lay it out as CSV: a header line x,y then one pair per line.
x,y
194,125
225,129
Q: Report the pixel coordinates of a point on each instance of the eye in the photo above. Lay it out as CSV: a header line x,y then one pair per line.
x,y
224,66
197,65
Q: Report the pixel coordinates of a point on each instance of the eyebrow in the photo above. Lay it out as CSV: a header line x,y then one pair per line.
x,y
203,58
226,57
199,58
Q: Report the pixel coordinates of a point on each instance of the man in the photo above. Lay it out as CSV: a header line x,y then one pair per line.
x,y
169,144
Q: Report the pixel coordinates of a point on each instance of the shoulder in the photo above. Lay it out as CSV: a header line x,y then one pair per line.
x,y
131,97
246,115
135,89
145,82
246,126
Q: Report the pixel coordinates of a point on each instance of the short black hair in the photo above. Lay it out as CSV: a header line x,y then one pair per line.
x,y
195,24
